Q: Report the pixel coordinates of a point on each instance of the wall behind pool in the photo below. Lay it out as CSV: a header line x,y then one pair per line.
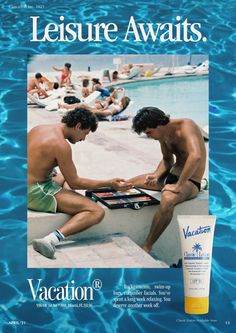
x,y
105,61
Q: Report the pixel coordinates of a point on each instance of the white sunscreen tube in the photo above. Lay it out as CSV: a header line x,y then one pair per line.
x,y
196,238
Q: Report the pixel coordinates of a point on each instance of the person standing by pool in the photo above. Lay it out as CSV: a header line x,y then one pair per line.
x,y
179,173
65,74
48,147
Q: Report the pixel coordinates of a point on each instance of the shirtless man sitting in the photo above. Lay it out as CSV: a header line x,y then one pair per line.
x,y
34,85
48,147
179,173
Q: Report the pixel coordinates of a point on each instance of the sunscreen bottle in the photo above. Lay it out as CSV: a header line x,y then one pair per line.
x,y
196,238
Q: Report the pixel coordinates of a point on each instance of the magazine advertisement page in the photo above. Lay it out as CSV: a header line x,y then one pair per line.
x,y
117,166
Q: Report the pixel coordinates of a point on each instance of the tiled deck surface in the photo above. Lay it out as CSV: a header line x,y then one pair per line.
x,y
109,252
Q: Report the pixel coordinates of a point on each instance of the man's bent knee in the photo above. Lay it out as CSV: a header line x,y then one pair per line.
x,y
99,213
168,200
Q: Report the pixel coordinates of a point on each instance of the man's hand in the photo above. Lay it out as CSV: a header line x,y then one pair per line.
x,y
175,188
53,173
151,180
120,184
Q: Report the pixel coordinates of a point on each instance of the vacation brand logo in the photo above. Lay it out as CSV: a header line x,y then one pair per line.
x,y
195,232
196,253
67,292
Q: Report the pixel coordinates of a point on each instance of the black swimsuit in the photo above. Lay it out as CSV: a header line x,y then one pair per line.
x,y
173,179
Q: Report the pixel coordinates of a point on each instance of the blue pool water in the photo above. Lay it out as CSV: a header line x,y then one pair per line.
x,y
180,97
218,24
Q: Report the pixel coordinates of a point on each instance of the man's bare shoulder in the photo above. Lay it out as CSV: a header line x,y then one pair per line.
x,y
188,122
49,135
188,126
47,130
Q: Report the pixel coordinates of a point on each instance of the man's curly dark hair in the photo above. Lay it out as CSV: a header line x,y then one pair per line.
x,y
83,116
149,117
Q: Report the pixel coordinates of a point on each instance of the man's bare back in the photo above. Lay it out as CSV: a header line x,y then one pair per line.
x,y
43,143
32,84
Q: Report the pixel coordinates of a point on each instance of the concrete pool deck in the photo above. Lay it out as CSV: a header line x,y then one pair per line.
x,y
115,251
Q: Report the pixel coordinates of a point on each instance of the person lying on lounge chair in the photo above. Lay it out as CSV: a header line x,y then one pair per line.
x,y
114,109
126,69
112,99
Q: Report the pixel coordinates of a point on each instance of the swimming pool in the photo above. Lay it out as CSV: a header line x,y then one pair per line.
x,y
180,97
